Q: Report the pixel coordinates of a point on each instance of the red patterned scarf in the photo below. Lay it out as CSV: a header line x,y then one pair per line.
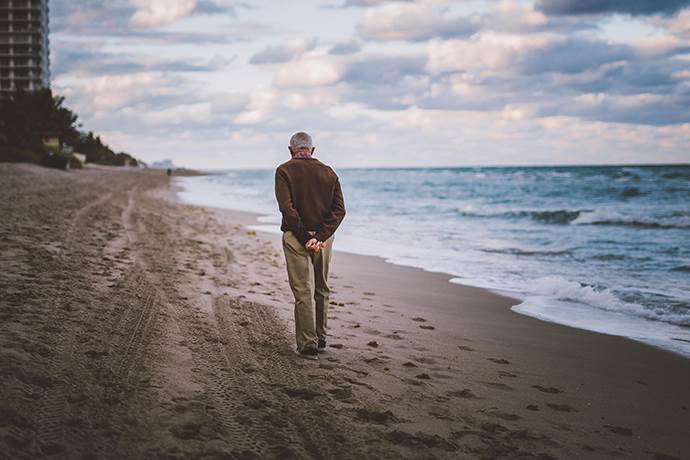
x,y
301,154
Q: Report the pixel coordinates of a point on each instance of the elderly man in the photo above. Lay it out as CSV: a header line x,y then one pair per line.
x,y
311,202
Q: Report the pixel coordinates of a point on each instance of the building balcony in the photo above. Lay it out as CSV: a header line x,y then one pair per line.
x,y
34,65
22,32
35,54
20,39
22,8
33,77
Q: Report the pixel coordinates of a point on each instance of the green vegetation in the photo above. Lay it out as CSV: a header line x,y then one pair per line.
x,y
26,118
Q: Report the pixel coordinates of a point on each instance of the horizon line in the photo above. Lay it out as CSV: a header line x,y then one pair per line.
x,y
584,165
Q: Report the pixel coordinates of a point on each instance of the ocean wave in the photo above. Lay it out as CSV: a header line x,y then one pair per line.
x,y
677,175
528,252
559,216
681,268
625,174
553,217
631,192
614,218
559,288
586,217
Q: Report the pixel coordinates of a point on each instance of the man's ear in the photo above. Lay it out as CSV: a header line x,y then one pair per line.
x,y
290,149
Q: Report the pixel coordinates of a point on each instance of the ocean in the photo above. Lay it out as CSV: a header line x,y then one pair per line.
x,y
602,248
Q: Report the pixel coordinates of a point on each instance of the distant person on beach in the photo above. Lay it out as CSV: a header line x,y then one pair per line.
x,y
311,202
169,172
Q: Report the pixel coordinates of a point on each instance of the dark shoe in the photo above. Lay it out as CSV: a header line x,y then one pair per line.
x,y
309,353
322,344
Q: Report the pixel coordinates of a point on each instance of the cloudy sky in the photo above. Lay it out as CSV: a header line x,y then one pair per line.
x,y
224,83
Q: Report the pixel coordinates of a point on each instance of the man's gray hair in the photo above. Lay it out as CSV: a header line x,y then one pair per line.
x,y
300,141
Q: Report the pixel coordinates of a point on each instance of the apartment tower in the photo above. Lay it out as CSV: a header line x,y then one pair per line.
x,y
24,53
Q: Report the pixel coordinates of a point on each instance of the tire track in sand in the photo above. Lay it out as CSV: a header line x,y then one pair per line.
x,y
52,407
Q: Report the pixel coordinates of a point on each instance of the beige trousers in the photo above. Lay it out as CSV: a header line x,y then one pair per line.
x,y
308,277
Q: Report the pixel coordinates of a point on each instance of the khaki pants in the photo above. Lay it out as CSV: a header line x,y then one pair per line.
x,y
308,276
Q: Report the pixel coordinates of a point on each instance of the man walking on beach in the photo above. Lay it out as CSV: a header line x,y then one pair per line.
x,y
311,202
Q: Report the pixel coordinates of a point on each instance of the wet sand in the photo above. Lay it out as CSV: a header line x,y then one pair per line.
x,y
134,326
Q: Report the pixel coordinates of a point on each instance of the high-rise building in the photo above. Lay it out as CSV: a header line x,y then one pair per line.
x,y
24,45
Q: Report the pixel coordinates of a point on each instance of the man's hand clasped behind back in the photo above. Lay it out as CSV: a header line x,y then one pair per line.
x,y
314,245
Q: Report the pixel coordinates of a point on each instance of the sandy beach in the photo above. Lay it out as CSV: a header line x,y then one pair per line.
x,y
134,326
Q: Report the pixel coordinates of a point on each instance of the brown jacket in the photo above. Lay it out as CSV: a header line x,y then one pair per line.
x,y
310,199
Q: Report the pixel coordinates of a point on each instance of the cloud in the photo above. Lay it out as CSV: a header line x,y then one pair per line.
x,y
513,78
412,22
513,16
487,52
572,55
309,72
90,62
154,13
633,7
348,47
383,70
285,52
678,24
102,94
140,19
642,109
490,53
219,7
367,3
385,82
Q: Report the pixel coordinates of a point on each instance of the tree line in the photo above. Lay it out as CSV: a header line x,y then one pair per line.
x,y
27,117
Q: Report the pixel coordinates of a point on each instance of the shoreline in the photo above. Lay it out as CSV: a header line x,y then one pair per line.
x,y
251,220
585,371
138,327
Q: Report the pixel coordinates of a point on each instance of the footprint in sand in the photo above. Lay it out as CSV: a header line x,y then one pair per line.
x,y
374,416
561,407
426,326
441,414
619,430
52,449
505,416
342,394
550,390
186,430
465,348
419,319
506,374
499,385
394,336
499,360
420,441
373,344
464,394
